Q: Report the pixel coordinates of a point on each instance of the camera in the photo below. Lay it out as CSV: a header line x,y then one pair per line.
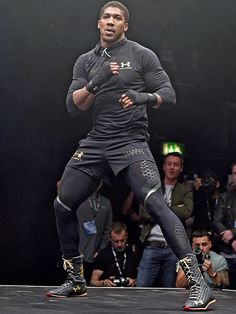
x,y
121,282
208,182
200,256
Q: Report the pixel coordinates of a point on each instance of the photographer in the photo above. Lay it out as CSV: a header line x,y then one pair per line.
x,y
116,264
213,266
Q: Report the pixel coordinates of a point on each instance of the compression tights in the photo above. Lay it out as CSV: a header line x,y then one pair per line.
x,y
75,187
144,180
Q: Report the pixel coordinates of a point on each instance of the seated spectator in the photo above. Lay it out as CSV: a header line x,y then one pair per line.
x,y
115,265
213,266
225,226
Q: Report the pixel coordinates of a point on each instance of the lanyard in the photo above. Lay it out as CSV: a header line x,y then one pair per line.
x,y
94,202
117,264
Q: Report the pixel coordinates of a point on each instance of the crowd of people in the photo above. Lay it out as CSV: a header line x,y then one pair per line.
x,y
154,263
112,258
212,221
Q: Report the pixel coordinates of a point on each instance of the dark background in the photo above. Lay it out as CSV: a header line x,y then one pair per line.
x,y
39,43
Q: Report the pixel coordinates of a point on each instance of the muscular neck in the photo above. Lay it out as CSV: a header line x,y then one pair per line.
x,y
108,44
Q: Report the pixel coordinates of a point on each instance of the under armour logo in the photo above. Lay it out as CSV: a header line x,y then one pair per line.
x,y
125,65
78,155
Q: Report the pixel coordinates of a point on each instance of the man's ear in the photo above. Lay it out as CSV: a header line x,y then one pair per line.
x,y
163,166
126,26
98,24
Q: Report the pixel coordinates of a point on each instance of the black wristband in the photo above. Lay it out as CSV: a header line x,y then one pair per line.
x,y
142,98
91,87
152,99
102,77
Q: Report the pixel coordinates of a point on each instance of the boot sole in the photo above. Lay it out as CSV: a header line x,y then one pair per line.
x,y
66,296
187,308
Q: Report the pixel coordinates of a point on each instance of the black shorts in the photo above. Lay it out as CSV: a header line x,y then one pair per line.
x,y
96,157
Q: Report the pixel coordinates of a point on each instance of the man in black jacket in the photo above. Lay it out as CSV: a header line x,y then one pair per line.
x,y
225,226
116,264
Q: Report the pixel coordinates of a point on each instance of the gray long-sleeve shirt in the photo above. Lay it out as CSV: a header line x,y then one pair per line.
x,y
140,70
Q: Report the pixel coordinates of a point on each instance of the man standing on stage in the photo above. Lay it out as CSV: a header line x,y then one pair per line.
x,y
118,79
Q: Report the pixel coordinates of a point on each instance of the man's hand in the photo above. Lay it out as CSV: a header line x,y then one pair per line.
x,y
114,68
108,69
108,282
131,282
207,267
227,236
135,98
234,245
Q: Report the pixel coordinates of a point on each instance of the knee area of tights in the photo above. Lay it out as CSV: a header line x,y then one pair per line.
x,y
60,207
154,200
154,205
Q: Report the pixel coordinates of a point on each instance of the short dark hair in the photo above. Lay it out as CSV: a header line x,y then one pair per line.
x,y
200,234
118,227
176,154
116,4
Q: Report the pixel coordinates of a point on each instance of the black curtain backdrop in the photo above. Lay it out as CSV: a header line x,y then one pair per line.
x,y
39,43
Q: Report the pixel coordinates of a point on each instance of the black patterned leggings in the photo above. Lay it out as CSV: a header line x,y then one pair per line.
x,y
144,180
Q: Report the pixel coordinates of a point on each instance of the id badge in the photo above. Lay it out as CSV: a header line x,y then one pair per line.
x,y
90,227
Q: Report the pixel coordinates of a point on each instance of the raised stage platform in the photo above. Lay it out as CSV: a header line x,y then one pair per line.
x,y
33,300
